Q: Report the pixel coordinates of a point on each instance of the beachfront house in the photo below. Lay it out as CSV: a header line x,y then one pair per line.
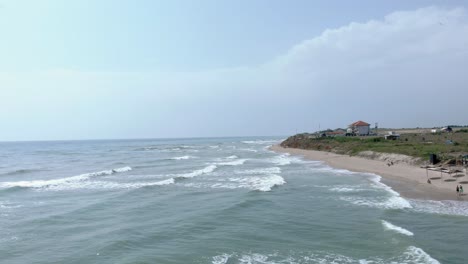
x,y
360,128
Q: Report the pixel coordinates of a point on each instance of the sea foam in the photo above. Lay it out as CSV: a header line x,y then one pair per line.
x,y
60,181
263,184
196,173
392,227
232,163
182,158
270,170
411,255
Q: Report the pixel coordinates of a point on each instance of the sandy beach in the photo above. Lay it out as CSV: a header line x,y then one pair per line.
x,y
410,181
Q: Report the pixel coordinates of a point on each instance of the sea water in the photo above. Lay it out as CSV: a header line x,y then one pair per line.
x,y
218,200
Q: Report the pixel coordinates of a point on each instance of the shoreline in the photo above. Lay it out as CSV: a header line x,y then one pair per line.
x,y
409,181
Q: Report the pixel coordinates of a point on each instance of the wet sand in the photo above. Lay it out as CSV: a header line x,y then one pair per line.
x,y
410,181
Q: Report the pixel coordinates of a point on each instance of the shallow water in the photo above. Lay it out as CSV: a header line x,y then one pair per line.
x,y
222,200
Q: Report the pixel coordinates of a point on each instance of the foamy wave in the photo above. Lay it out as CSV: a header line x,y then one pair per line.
x,y
417,255
196,173
232,157
232,163
334,170
440,207
271,170
221,259
286,159
394,202
376,179
412,255
344,189
281,160
260,142
54,182
124,169
107,185
182,158
263,184
390,226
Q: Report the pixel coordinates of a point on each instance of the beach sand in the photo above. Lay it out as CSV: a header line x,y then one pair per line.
x,y
410,181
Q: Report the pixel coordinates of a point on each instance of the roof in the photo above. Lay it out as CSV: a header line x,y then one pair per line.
x,y
360,123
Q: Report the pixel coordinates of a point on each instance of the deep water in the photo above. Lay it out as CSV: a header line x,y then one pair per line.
x,y
218,200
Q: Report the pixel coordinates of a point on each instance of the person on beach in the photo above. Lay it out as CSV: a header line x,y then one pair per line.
x,y
461,189
458,191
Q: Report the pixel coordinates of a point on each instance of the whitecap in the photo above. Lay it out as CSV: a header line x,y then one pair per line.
x,y
394,202
232,163
107,185
270,170
221,259
263,184
196,173
182,158
60,181
281,160
412,255
401,230
344,189
440,207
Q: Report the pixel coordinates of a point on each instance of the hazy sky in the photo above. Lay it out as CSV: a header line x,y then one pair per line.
x,y
148,69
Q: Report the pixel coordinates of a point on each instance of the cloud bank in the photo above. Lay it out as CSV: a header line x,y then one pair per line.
x,y
405,70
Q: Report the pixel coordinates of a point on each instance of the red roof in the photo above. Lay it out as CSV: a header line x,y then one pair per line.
x,y
360,123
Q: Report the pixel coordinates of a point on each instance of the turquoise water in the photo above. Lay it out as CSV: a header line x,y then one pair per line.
x,y
228,200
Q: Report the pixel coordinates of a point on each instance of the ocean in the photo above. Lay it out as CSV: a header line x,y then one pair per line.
x,y
210,200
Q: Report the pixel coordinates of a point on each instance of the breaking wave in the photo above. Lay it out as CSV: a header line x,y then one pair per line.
x,y
271,170
263,184
182,158
440,207
232,163
412,255
390,226
196,173
107,185
61,181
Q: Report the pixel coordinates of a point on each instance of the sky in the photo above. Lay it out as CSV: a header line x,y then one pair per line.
x,y
209,68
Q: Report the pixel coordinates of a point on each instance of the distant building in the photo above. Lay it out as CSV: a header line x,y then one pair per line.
x,y
447,129
392,136
360,128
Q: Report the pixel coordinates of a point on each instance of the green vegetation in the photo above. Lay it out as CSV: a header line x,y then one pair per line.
x,y
445,145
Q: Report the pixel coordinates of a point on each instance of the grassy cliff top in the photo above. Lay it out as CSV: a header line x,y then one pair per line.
x,y
420,145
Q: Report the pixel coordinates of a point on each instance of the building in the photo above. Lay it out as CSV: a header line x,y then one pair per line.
x,y
360,128
392,136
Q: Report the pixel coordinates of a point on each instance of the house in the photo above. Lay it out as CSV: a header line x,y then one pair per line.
x,y
360,128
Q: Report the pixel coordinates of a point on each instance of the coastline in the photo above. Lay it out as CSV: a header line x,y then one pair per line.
x,y
409,181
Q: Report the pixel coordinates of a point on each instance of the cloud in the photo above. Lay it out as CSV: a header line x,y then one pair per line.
x,y
405,70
